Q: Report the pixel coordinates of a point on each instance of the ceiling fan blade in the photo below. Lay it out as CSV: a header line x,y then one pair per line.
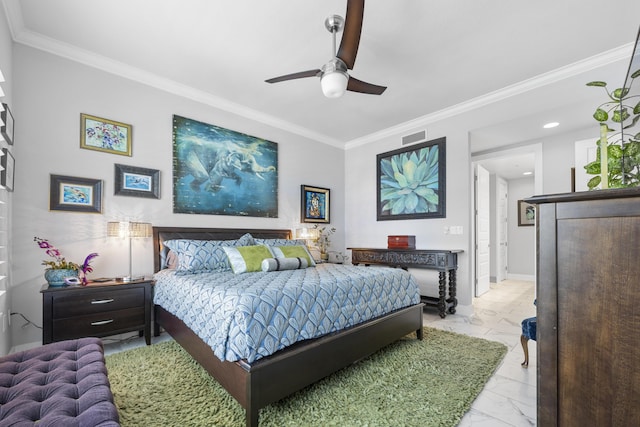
x,y
356,85
351,35
299,75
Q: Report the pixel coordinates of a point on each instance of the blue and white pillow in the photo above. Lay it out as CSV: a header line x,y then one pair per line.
x,y
199,256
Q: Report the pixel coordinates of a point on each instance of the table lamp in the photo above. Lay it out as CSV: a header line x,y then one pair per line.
x,y
130,230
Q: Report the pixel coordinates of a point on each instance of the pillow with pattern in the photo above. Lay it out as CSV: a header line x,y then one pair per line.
x,y
246,259
199,256
293,251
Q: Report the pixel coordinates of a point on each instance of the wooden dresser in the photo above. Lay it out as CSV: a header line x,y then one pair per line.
x,y
588,308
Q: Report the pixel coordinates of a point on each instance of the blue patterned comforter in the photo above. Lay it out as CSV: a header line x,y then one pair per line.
x,y
252,315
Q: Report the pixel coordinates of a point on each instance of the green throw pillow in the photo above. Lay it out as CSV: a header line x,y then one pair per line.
x,y
298,251
244,259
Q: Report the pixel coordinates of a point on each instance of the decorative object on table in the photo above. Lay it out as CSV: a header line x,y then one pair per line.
x,y
8,164
314,204
401,242
526,213
7,124
73,194
218,171
618,165
105,135
129,230
324,240
60,269
411,182
137,182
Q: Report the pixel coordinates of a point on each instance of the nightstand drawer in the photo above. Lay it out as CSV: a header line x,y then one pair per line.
x,y
100,324
86,303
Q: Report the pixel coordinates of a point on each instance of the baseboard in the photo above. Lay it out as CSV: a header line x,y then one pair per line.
x,y
525,277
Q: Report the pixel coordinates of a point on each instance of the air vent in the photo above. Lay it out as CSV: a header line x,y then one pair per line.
x,y
410,139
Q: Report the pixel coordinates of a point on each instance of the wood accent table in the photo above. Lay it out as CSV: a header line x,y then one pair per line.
x,y
444,261
96,310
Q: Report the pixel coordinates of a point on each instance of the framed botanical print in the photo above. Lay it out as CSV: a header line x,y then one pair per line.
x,y
137,182
411,182
73,194
105,135
314,204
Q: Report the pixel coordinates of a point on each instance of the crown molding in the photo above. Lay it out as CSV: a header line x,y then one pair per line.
x,y
608,57
73,53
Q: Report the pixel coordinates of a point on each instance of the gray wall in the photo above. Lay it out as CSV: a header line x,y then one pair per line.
x,y
51,92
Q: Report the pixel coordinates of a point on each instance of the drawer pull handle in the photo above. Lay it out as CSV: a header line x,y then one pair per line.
x,y
101,301
101,322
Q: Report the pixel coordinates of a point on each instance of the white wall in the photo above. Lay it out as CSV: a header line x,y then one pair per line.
x,y
6,65
522,239
363,230
51,92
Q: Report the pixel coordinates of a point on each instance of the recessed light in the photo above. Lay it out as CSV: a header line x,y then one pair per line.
x,y
527,173
551,125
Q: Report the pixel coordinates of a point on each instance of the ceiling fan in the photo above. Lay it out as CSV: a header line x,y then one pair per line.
x,y
334,78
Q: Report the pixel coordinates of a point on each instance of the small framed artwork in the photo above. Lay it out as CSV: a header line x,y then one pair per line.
x,y
73,194
8,124
526,213
105,135
137,182
411,182
8,164
314,206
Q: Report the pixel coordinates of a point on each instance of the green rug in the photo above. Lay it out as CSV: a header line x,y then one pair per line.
x,y
409,383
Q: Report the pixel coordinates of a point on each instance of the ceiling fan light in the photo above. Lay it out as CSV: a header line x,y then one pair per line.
x,y
334,84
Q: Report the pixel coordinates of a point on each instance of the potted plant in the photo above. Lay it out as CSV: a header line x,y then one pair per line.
x,y
324,241
60,268
618,165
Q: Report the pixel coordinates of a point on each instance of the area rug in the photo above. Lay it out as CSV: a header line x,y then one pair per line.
x,y
409,383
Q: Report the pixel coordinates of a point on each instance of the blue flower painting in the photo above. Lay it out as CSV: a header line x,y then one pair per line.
x,y
218,171
411,182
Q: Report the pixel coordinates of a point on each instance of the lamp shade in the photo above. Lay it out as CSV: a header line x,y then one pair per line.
x,y
306,233
334,84
126,229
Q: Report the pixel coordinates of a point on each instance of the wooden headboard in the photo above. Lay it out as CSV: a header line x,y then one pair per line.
x,y
161,234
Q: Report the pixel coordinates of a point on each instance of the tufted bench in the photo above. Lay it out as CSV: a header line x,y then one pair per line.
x,y
59,384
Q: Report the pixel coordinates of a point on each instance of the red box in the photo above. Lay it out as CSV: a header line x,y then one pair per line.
x,y
401,242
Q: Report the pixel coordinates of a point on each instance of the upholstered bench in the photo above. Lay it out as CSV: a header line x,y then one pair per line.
x,y
59,384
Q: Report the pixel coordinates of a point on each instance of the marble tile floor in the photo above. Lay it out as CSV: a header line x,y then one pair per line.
x,y
509,398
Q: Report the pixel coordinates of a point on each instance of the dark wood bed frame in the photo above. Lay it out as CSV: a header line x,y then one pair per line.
x,y
267,380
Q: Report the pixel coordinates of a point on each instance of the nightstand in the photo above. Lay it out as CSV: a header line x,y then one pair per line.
x,y
96,310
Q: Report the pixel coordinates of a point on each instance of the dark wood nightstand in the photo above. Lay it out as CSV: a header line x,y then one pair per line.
x,y
96,310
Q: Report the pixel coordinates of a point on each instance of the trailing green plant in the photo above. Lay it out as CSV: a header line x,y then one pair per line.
x,y
620,162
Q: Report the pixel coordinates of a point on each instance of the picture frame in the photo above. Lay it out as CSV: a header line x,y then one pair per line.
x,y
411,182
136,182
219,171
107,136
74,194
526,214
8,164
7,128
315,204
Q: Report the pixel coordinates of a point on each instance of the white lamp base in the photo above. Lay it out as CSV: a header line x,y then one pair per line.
x,y
128,279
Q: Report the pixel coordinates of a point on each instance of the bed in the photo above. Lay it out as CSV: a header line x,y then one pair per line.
x,y
270,378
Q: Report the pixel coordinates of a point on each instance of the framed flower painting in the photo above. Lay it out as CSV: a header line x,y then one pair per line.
x,y
411,182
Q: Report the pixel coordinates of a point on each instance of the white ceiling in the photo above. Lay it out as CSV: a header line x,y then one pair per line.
x,y
526,61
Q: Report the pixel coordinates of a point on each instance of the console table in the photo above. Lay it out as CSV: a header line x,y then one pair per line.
x,y
444,261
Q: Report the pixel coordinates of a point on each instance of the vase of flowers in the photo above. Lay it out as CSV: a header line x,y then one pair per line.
x,y
60,269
